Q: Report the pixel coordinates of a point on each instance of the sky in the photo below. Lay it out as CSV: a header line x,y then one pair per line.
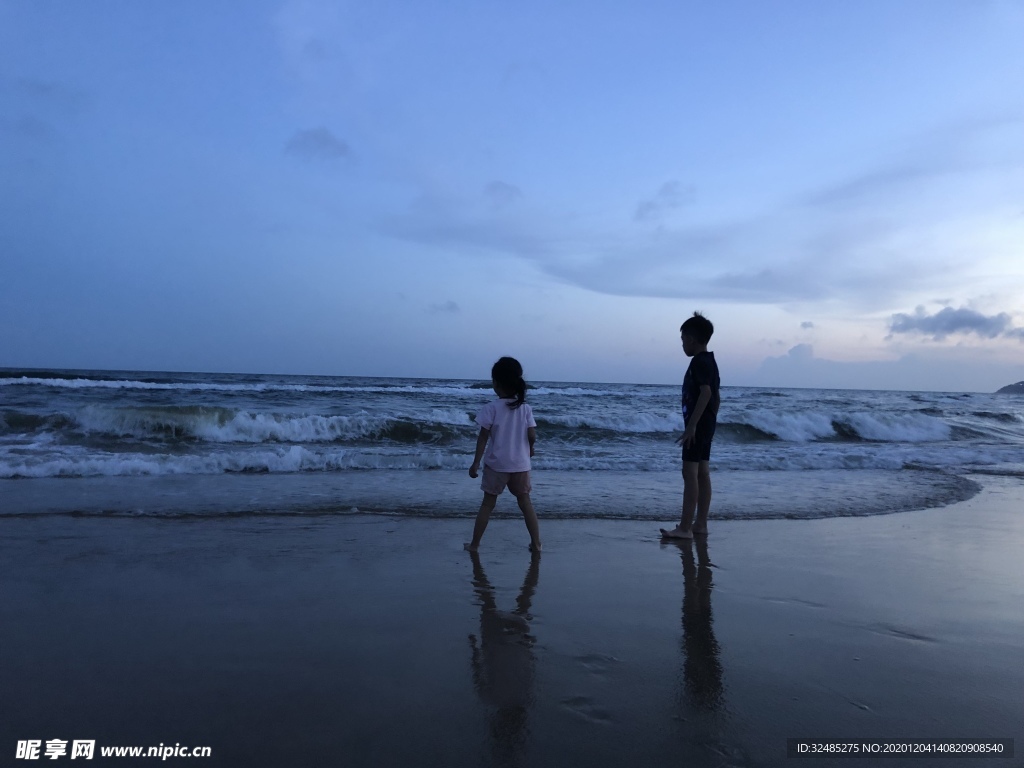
x,y
417,188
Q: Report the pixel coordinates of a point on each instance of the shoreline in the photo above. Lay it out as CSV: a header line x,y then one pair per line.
x,y
440,494
375,640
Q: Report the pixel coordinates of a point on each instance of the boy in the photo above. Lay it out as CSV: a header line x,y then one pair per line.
x,y
700,414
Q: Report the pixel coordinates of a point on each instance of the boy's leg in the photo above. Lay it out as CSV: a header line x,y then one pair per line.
x,y
482,518
690,494
530,517
700,525
685,528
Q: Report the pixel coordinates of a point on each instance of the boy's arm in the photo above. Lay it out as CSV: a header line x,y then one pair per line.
x,y
698,410
531,436
481,444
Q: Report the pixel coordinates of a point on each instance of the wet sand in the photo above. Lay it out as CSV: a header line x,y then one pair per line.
x,y
377,641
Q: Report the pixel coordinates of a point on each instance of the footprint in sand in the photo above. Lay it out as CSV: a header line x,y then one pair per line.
x,y
902,634
587,709
597,664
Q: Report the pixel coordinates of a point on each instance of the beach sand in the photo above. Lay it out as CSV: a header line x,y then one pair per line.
x,y
363,640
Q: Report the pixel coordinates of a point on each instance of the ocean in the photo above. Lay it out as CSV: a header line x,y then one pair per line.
x,y
196,445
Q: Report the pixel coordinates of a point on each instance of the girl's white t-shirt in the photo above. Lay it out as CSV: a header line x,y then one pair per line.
x,y
508,450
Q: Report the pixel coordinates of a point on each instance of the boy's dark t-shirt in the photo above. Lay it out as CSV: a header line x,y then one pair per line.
x,y
703,370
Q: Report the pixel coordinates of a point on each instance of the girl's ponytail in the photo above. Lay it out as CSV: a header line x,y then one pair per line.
x,y
520,393
508,374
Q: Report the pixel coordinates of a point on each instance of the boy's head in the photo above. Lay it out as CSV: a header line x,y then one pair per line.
x,y
696,333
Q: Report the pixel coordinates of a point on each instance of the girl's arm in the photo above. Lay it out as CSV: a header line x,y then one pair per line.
x,y
531,436
481,444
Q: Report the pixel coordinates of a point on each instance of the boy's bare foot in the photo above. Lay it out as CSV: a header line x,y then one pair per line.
x,y
700,531
468,546
536,547
676,533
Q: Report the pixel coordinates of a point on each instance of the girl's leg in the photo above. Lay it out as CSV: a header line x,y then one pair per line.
x,y
530,517
482,518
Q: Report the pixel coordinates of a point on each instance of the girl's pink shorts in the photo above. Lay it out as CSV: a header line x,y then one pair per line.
x,y
494,482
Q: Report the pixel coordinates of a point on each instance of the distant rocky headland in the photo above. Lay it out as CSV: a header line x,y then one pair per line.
x,y
1012,389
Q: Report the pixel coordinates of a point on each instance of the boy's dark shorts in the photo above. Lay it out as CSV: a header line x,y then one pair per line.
x,y
700,447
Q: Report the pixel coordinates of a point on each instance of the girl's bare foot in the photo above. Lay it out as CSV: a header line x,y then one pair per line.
x,y
536,547
469,547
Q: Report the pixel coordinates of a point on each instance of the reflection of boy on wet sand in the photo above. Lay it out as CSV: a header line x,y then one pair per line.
x,y
702,670
502,659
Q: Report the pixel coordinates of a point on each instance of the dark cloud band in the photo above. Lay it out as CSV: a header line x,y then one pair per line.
x,y
949,321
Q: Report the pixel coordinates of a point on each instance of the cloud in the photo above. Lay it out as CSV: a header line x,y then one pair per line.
x,y
946,369
753,260
730,261
869,240
36,109
499,194
45,94
807,325
317,144
935,158
448,307
437,222
801,352
671,195
467,233
29,127
868,185
949,321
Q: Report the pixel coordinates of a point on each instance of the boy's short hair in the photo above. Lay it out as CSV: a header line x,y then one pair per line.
x,y
699,327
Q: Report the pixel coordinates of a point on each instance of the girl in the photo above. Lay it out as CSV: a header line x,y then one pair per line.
x,y
507,432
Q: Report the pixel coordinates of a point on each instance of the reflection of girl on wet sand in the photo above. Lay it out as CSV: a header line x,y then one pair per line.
x,y
502,659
